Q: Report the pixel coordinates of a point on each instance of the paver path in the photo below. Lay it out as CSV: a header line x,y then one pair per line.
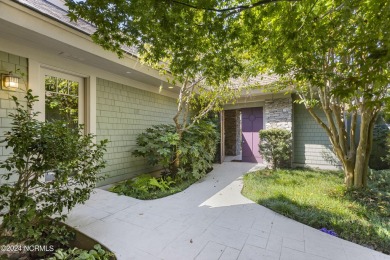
x,y
210,220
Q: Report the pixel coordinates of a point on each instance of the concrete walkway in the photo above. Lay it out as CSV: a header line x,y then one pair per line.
x,y
210,220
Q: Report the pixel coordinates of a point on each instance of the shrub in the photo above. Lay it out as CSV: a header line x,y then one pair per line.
x,y
32,207
276,147
196,149
385,154
380,148
158,145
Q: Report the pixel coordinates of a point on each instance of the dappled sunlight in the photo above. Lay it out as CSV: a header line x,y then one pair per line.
x,y
228,196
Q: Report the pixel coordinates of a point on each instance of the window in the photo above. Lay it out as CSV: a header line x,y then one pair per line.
x,y
64,98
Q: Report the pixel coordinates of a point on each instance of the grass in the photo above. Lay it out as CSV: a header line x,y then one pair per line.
x,y
146,187
319,199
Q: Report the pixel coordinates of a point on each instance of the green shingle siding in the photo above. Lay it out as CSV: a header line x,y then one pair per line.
x,y
122,113
311,143
17,65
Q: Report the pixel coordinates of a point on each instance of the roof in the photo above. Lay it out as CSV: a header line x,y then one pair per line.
x,y
260,80
56,9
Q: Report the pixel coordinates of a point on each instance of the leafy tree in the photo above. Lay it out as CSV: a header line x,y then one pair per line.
x,y
333,53
172,38
336,56
31,207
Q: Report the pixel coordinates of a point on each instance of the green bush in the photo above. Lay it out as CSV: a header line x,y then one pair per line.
x,y
385,155
158,145
276,147
32,207
197,147
380,148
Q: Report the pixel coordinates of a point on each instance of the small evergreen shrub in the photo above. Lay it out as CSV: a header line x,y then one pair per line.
x,y
32,207
160,144
276,147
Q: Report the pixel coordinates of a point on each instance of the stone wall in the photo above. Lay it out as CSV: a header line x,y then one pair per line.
x,y
19,67
232,132
122,113
278,113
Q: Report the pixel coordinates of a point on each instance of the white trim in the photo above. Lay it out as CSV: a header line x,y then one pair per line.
x,y
51,61
45,26
90,105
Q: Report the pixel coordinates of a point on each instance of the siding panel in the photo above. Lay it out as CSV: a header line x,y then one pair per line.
x,y
124,112
311,143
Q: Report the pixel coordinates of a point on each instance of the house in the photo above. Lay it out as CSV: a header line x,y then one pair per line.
x,y
119,98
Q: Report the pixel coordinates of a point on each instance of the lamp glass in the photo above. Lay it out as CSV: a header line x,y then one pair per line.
x,y
10,82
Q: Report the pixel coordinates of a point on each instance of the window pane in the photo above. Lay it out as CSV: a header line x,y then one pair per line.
x,y
62,85
50,83
61,100
73,88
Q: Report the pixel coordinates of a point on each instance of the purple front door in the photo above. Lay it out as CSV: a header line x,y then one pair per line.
x,y
252,123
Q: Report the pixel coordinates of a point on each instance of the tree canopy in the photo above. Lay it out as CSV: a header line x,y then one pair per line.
x,y
334,53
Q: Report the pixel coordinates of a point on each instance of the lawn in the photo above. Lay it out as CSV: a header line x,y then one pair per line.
x,y
319,199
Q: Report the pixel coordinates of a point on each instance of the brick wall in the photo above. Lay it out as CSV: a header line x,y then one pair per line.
x,y
124,112
278,113
19,67
311,143
232,132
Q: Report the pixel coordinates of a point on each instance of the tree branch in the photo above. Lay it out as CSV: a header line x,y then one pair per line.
x,y
236,9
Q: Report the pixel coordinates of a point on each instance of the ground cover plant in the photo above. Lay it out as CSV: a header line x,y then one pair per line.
x,y
97,253
31,207
147,187
321,200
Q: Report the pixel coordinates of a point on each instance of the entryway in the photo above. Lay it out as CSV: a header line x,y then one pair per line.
x,y
241,134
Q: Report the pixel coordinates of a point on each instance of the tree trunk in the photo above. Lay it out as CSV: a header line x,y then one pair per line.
x,y
363,151
354,159
349,173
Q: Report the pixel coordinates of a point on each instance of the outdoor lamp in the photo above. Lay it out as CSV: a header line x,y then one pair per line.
x,y
9,81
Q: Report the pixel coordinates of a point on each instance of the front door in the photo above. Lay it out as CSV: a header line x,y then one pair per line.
x,y
252,123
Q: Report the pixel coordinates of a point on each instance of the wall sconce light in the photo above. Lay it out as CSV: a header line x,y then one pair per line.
x,y
9,82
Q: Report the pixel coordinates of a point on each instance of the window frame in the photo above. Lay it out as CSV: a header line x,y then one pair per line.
x,y
81,91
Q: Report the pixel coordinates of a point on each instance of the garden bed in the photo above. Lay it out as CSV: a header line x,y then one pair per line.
x,y
319,199
80,241
149,187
